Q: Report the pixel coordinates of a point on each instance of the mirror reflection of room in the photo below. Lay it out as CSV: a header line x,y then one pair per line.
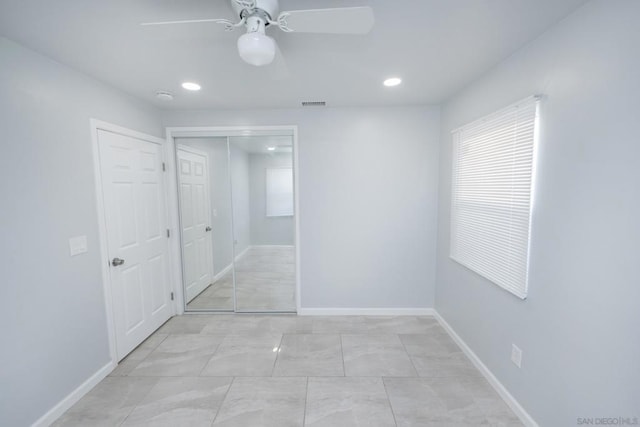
x,y
237,223
206,218
263,202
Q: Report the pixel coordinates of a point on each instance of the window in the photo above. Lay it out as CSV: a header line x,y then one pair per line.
x,y
493,165
280,192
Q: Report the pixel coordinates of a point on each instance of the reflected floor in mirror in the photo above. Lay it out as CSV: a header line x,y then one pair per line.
x,y
217,296
265,281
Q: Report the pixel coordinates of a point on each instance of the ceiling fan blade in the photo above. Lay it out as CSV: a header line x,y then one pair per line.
x,y
189,21
344,20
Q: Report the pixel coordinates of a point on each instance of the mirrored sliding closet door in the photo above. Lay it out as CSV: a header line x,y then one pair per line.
x,y
262,183
237,210
206,223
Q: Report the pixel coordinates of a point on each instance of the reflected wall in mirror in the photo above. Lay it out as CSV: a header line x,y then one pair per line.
x,y
263,203
206,222
237,228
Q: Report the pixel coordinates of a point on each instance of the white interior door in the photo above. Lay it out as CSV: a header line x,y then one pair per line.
x,y
136,222
197,244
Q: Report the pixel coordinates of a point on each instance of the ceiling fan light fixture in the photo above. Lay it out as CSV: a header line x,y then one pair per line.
x,y
256,48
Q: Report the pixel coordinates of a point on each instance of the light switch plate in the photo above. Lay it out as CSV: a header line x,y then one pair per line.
x,y
77,245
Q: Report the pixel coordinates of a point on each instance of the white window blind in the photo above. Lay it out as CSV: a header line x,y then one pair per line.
x,y
493,164
280,192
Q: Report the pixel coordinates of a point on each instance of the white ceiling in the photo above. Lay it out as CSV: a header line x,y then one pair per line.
x,y
436,46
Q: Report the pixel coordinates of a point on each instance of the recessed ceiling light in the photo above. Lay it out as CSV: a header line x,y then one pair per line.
x,y
393,81
191,86
271,148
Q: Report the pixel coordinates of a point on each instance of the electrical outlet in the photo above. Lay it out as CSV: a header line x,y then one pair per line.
x,y
516,355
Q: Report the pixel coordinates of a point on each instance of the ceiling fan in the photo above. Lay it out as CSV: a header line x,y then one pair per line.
x,y
257,48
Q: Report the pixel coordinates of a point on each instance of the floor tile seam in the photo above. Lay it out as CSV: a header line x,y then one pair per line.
x,y
482,409
233,379
442,400
188,377
158,345
409,356
135,405
306,397
312,333
393,413
209,359
170,376
202,333
344,368
403,348
137,363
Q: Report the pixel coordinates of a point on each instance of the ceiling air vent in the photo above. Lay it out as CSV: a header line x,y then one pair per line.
x,y
314,103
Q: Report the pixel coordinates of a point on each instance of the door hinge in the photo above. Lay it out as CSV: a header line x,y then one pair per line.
x,y
171,296
168,233
164,167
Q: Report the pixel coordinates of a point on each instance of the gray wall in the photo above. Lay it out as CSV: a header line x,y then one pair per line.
x,y
368,194
52,305
240,189
220,197
578,328
267,230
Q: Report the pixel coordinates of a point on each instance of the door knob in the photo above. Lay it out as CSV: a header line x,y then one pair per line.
x,y
208,228
117,261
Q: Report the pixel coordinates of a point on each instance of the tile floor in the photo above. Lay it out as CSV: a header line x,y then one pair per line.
x,y
285,370
265,281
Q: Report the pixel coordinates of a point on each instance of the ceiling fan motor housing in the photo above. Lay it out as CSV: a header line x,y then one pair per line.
x,y
269,6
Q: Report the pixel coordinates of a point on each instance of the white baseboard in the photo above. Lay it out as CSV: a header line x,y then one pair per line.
x,y
366,312
54,413
222,273
243,253
228,268
515,406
